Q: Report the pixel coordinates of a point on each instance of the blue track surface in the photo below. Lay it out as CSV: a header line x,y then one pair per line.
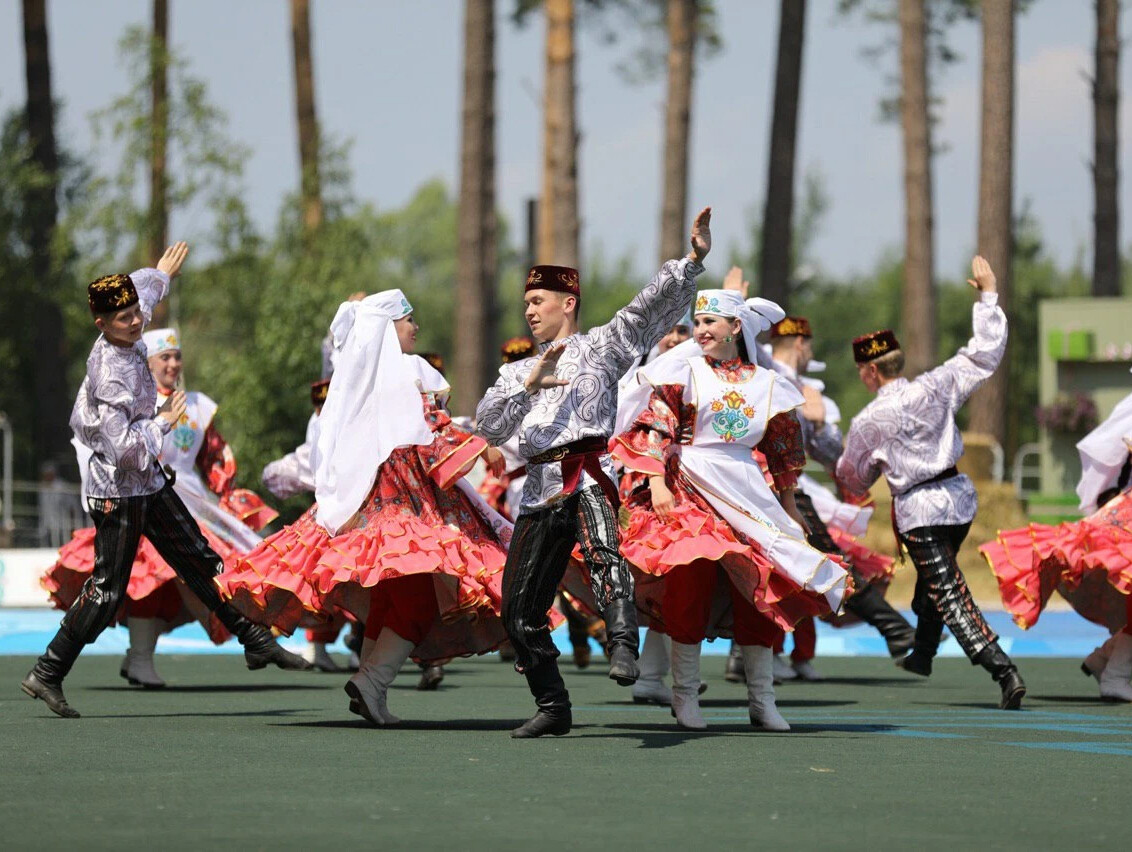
x,y
1058,634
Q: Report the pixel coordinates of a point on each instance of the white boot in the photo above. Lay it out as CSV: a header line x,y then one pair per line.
x,y
806,671
369,686
686,686
124,669
783,670
1096,661
316,654
143,639
653,664
1117,673
758,661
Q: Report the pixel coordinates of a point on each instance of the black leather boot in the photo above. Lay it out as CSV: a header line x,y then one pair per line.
x,y
553,717
1002,669
624,641
45,680
735,672
929,632
49,694
260,647
870,606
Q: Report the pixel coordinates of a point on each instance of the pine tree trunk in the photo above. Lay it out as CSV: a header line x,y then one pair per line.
x,y
996,192
1106,176
51,404
157,225
918,331
305,116
776,257
477,269
678,114
558,206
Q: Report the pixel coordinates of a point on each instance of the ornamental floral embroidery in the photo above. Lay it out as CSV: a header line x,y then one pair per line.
x,y
184,434
732,416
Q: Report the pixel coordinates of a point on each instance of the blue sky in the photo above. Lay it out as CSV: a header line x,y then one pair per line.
x,y
388,76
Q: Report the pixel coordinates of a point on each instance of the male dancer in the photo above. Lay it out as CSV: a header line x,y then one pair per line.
x,y
563,405
129,494
791,352
908,433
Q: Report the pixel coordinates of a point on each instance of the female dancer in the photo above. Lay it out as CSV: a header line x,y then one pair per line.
x,y
204,472
1089,561
705,408
397,538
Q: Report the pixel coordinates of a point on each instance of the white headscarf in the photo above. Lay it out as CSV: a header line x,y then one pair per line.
x,y
755,316
160,340
1103,452
373,405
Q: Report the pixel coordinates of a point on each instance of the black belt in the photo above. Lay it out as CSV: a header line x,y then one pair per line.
x,y
950,473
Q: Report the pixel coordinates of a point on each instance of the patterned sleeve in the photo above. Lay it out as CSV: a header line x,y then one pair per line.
x,y
638,326
959,376
106,428
502,409
152,286
782,446
644,447
824,445
216,462
857,470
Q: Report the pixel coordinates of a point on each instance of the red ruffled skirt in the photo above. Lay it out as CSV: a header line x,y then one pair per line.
x,y
695,532
409,525
1088,561
151,580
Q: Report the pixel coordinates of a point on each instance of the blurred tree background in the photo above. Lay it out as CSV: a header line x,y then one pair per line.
x,y
254,305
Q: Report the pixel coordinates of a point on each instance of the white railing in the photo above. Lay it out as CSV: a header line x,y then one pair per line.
x,y
1023,470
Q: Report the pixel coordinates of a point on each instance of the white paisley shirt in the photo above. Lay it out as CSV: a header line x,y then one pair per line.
x,y
908,432
593,363
113,413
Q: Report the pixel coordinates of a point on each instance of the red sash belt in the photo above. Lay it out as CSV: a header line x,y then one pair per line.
x,y
582,455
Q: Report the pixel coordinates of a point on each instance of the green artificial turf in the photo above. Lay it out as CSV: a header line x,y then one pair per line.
x,y
227,758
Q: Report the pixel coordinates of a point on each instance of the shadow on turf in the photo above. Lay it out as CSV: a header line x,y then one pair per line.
x,y
499,725
652,736
216,687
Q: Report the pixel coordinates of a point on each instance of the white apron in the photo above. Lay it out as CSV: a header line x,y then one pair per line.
x,y
731,419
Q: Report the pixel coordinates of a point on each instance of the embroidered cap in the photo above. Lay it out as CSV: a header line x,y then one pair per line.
x,y
560,279
791,326
516,349
111,293
318,392
869,347
160,340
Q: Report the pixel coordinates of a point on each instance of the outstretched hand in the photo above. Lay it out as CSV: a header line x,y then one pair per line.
x,y
733,280
701,236
543,375
173,259
982,276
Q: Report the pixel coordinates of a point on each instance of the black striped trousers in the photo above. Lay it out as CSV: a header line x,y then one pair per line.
x,y
119,524
537,559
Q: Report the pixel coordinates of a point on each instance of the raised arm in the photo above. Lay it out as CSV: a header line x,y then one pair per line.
x,y
152,283
637,327
961,375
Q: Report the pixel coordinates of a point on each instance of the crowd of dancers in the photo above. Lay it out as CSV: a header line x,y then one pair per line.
x,y
648,470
